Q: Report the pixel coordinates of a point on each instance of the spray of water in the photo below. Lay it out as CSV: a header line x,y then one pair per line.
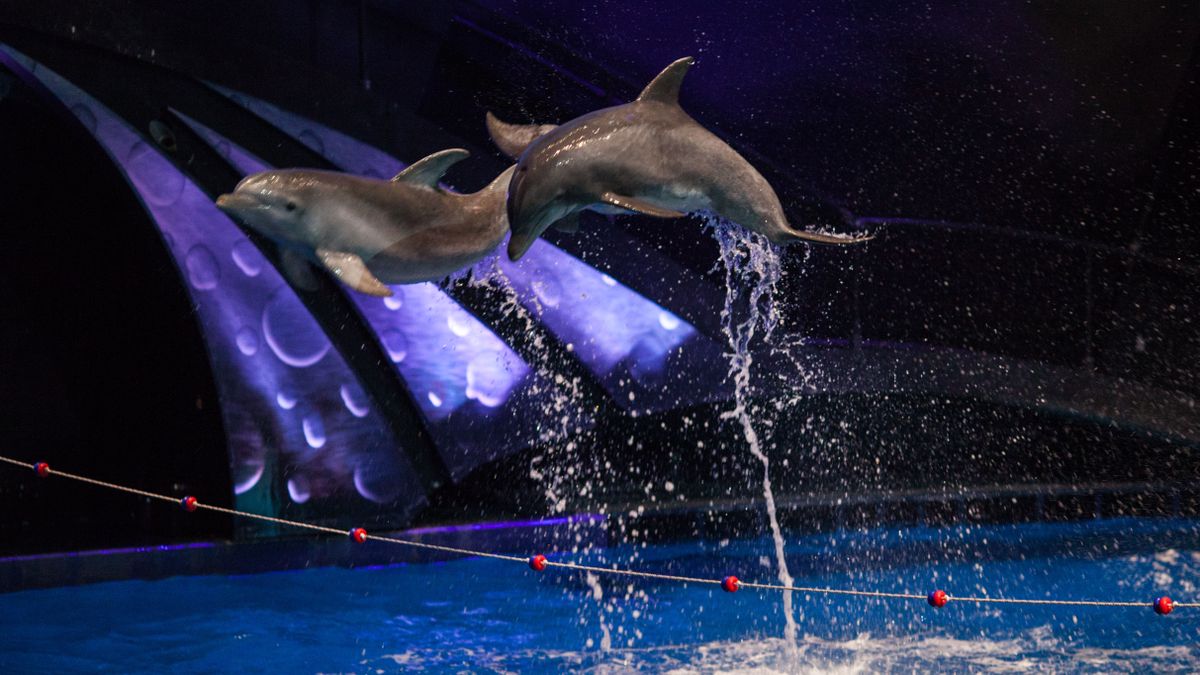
x,y
558,421
558,429
752,271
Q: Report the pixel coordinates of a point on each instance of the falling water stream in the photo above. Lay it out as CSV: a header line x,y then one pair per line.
x,y
752,270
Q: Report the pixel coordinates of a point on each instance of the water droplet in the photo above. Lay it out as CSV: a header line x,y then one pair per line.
x,y
247,257
247,341
299,489
203,270
435,400
355,400
395,343
285,400
668,320
314,431
608,280
291,332
158,181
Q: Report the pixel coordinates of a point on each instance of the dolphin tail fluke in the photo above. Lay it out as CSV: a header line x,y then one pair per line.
x,y
512,139
664,88
352,271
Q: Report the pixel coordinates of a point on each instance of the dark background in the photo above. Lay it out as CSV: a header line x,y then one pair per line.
x,y
1029,170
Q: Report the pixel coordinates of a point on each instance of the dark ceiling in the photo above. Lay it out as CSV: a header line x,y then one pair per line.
x,y
1068,119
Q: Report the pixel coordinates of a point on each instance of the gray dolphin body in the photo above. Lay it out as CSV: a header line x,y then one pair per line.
x,y
649,157
371,232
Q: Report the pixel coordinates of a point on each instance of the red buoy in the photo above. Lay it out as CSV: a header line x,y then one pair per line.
x,y
358,534
938,598
42,469
537,563
188,503
1164,605
731,584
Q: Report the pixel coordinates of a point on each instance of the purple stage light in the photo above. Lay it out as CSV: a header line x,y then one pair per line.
x,y
279,408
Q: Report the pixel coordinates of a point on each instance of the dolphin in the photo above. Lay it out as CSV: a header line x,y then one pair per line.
x,y
370,232
648,157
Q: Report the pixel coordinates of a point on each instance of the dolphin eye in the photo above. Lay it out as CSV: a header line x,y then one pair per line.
x,y
290,206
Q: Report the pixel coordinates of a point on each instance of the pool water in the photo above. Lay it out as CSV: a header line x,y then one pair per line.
x,y
479,615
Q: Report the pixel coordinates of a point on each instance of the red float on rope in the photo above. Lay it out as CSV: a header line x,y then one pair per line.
x,y
1163,605
938,598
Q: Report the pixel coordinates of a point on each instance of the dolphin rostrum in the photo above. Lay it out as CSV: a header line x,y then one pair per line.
x,y
371,232
648,157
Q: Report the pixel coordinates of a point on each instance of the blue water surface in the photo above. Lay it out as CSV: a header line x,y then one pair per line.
x,y
479,615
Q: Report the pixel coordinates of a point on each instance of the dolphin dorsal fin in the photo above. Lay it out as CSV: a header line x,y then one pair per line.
x,y
664,88
428,171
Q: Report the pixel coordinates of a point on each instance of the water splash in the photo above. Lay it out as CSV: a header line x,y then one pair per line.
x,y
559,424
559,430
752,271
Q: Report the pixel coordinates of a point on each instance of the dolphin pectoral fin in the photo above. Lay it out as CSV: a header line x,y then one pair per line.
x,y
639,206
512,139
664,88
297,270
824,238
352,271
568,224
426,172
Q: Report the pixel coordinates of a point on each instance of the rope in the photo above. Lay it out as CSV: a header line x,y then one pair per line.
x,y
615,571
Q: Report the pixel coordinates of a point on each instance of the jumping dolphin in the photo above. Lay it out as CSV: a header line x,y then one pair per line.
x,y
648,157
371,232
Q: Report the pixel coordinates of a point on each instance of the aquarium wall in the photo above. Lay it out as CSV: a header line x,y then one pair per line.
x,y
1024,314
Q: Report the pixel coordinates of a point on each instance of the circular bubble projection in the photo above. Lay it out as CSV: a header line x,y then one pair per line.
x,y
491,377
291,332
203,271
